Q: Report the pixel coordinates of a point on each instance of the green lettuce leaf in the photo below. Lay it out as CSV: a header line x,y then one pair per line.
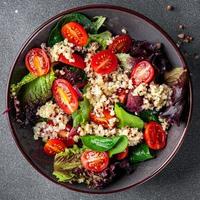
x,y
39,90
141,153
120,146
173,77
149,115
99,21
15,88
65,162
127,119
81,116
99,143
101,38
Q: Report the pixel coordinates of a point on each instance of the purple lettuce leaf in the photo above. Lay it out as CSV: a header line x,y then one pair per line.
x,y
134,103
178,100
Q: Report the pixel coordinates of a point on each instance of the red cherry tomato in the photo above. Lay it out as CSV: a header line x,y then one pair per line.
x,y
122,155
104,62
122,95
121,44
104,121
75,33
78,61
154,136
143,72
54,146
37,62
65,95
94,161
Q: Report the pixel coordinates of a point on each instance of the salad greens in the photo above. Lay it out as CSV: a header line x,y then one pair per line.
x,y
120,146
127,119
38,90
99,143
15,88
65,162
149,115
98,22
141,153
172,77
101,38
113,145
81,116
92,27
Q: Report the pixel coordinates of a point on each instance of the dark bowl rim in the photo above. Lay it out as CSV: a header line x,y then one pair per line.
x,y
149,21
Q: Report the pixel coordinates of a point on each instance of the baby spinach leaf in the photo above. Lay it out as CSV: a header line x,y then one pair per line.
x,y
81,115
39,90
101,38
99,143
149,115
127,119
55,34
120,146
141,153
15,88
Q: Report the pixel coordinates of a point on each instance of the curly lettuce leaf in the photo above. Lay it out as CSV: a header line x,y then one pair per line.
x,y
15,88
39,90
81,115
65,162
175,75
101,38
99,21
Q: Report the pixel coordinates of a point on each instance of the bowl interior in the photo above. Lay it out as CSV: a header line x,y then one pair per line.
x,y
138,28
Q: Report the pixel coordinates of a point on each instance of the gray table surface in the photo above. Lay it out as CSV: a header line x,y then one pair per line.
x,y
19,181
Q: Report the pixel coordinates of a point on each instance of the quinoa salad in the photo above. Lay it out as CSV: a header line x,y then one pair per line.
x,y
100,102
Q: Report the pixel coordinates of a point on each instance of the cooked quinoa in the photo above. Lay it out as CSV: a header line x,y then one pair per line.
x,y
64,47
155,96
58,120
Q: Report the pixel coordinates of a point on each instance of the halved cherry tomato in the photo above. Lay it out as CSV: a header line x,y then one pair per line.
x,y
104,62
75,33
54,146
78,61
65,95
122,155
94,161
104,121
143,72
121,44
154,136
37,62
122,95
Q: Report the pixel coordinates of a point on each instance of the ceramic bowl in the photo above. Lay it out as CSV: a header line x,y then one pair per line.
x,y
139,27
